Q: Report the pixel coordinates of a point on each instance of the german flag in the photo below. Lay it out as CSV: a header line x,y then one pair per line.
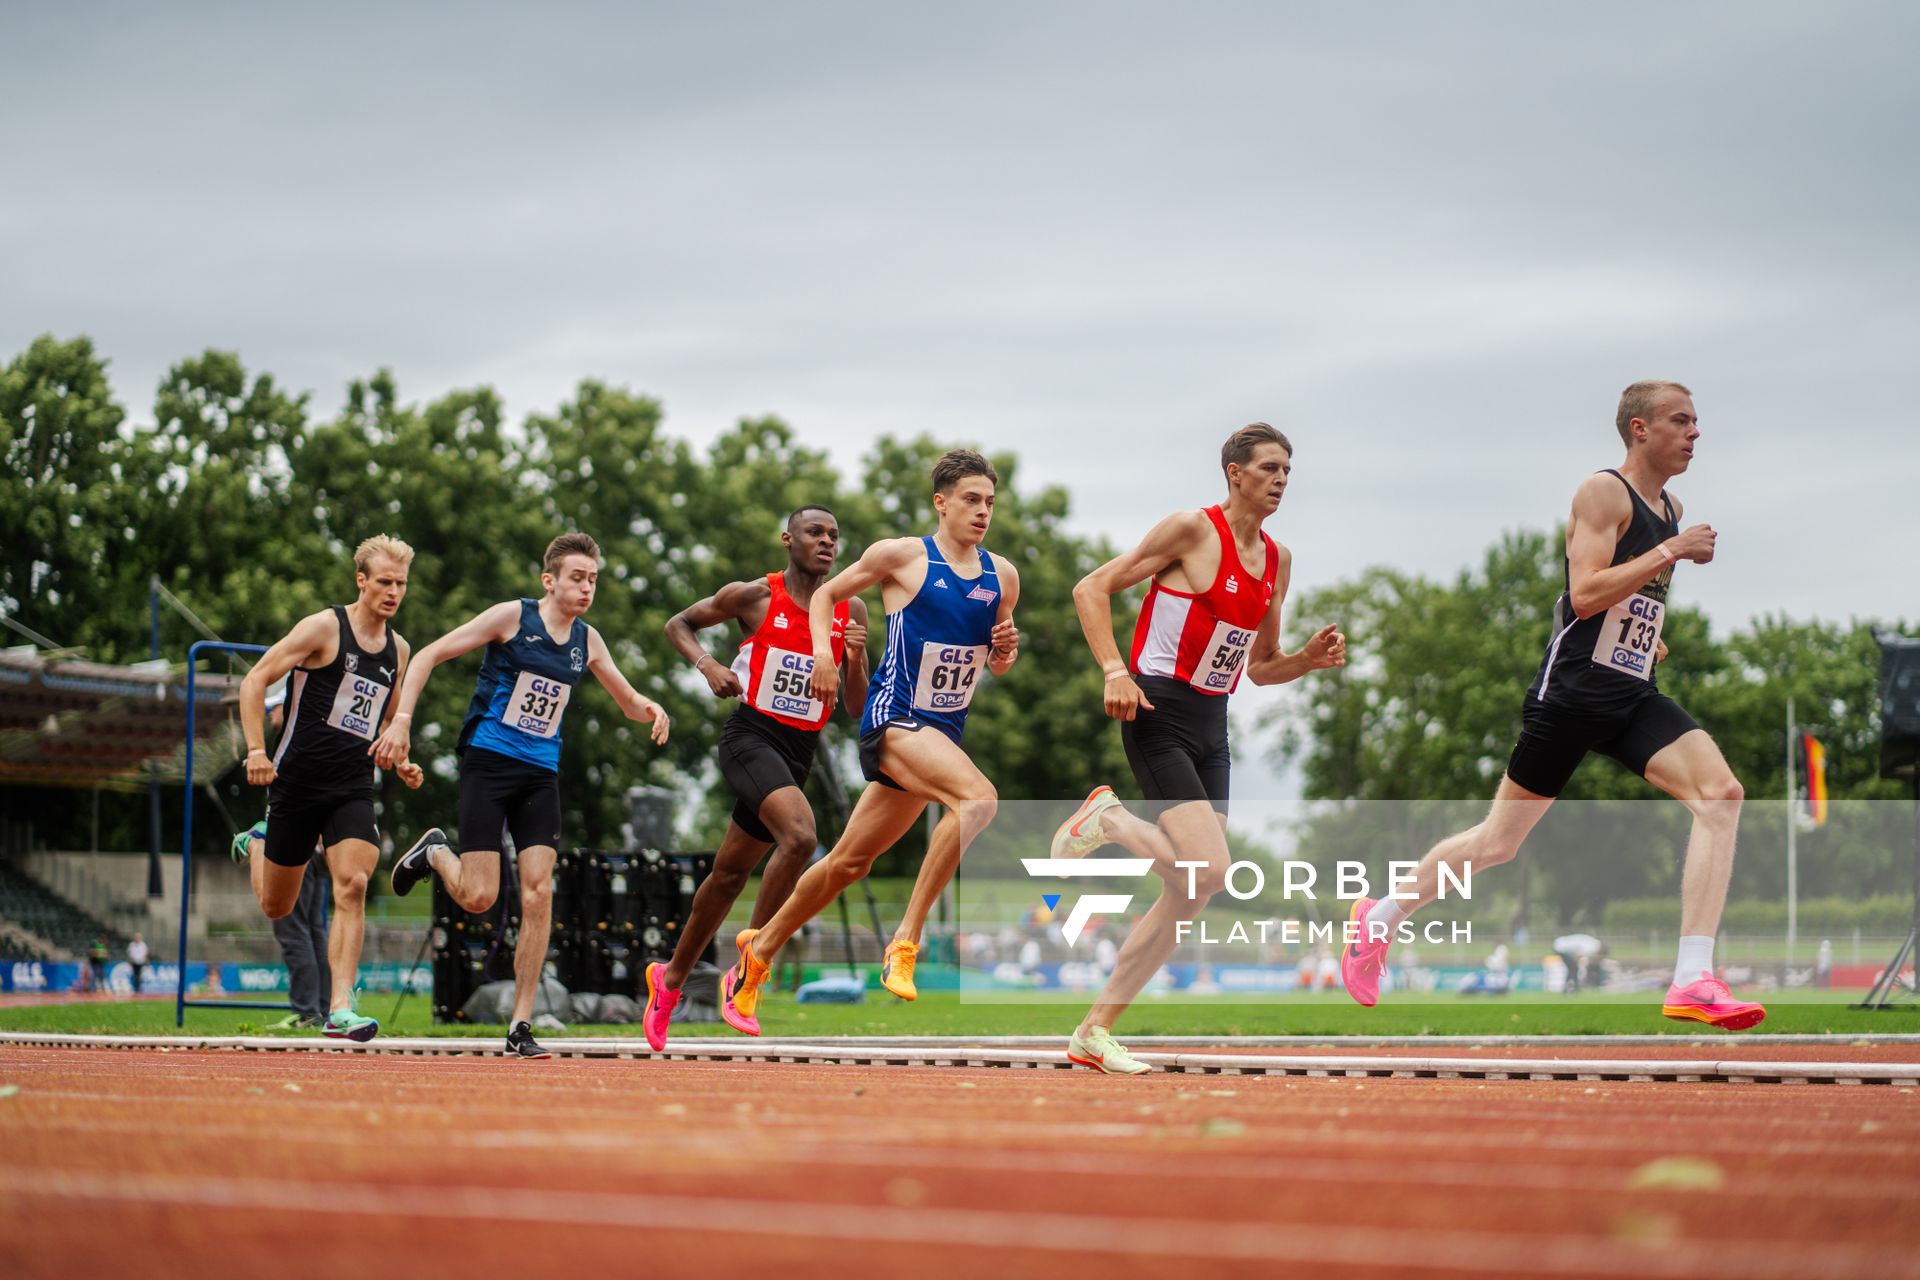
x,y
1813,764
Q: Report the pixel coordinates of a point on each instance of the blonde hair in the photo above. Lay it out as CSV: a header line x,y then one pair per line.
x,y
1637,401
381,546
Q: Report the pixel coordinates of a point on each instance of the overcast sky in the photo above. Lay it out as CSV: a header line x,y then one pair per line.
x,y
1432,242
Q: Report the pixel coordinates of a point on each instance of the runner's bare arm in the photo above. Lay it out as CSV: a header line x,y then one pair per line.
x,y
633,704
1601,509
853,668
496,625
1268,663
1164,544
408,772
297,648
881,561
729,604
1006,636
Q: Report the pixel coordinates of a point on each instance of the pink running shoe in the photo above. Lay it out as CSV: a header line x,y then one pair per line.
x,y
1706,999
1362,961
661,1001
745,1024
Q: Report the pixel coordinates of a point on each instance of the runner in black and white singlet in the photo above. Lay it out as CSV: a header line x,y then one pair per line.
x,y
509,745
767,746
344,664
1211,615
1595,691
949,606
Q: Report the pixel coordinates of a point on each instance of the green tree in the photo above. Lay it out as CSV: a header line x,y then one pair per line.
x,y
69,531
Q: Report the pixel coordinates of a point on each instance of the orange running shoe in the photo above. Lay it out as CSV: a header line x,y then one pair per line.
x,y
745,995
896,969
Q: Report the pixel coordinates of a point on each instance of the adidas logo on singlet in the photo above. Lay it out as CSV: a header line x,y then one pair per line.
x,y
939,582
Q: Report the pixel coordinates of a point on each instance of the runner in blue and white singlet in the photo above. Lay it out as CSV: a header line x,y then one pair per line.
x,y
949,623
936,649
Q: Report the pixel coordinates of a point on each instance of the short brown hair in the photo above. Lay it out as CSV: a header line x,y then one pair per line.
x,y
956,465
381,546
1238,449
569,544
1637,401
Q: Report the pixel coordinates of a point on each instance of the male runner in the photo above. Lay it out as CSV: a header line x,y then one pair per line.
x,y
949,608
1595,691
510,752
1207,616
345,662
768,744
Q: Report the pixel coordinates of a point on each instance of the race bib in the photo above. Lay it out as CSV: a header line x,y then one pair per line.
x,y
785,688
1220,662
358,705
949,673
1629,635
536,705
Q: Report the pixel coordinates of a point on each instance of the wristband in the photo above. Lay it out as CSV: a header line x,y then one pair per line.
x,y
1662,549
255,751
1115,675
403,715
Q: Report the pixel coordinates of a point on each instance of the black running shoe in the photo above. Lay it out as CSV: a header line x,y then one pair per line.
x,y
521,1044
411,867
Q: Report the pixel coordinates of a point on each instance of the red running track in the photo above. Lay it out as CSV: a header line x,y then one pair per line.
x,y
198,1163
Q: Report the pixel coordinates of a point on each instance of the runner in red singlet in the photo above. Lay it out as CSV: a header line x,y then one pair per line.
x,y
1212,612
767,747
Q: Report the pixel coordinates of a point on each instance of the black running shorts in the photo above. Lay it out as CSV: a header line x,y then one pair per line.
x,y
759,756
1554,739
295,819
499,793
1178,750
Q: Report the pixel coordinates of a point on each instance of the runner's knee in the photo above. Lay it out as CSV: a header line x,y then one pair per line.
x,y
727,881
798,840
977,804
536,897
474,900
350,890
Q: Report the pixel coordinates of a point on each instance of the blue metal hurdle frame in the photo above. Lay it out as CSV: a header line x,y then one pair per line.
x,y
181,1003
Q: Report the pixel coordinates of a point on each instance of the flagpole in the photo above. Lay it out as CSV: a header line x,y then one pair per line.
x,y
1793,859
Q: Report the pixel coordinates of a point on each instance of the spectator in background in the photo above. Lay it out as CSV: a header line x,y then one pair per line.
x,y
1582,952
302,935
97,965
137,960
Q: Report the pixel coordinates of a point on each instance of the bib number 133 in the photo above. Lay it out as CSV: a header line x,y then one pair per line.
x,y
1630,635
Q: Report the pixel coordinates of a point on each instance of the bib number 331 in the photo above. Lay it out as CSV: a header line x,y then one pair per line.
x,y
949,673
536,705
1629,636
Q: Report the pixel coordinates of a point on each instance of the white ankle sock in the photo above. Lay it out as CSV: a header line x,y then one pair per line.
x,y
1696,958
1388,912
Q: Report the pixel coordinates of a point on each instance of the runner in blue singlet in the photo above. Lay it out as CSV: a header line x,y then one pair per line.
x,y
949,608
509,750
